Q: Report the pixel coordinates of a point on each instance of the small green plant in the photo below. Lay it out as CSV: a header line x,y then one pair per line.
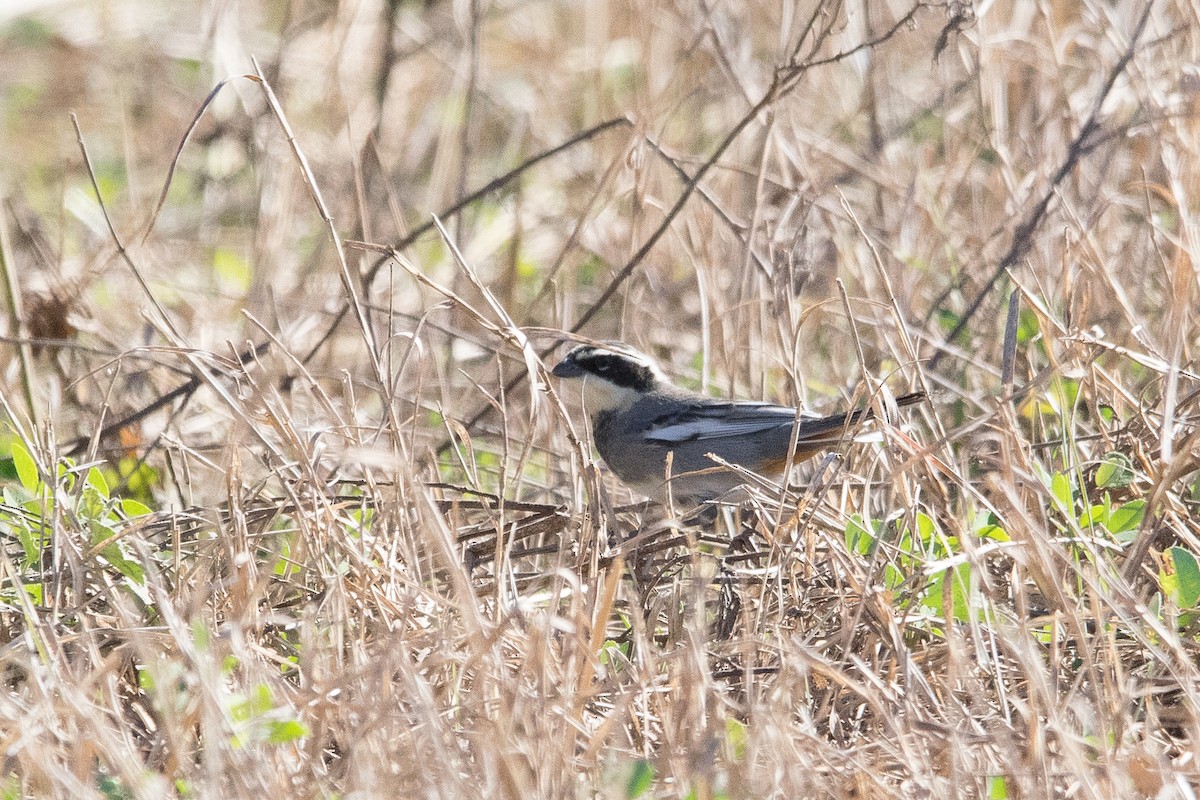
x,y
948,590
1118,521
641,776
32,506
257,718
1179,580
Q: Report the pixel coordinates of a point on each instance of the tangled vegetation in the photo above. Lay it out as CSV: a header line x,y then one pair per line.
x,y
293,508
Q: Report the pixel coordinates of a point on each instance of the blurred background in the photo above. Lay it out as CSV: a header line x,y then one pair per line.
x,y
283,517
845,228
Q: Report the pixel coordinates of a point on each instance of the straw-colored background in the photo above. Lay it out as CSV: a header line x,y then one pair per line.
x,y
334,547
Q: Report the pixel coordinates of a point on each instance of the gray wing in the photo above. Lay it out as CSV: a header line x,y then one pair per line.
x,y
732,420
718,421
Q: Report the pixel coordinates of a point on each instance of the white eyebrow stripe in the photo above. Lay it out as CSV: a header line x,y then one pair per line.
x,y
634,357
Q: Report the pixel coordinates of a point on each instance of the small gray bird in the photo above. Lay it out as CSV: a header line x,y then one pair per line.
x,y
639,417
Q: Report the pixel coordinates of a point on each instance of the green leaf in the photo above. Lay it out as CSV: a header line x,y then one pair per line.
x,y
240,709
139,478
1060,490
1063,393
993,532
1127,517
1114,472
640,779
609,651
1187,577
95,479
26,467
1028,326
36,592
960,591
114,554
858,539
32,540
133,508
948,320
925,527
959,606
65,472
893,578
260,701
282,732
111,789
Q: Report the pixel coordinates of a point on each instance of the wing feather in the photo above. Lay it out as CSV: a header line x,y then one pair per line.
x,y
719,421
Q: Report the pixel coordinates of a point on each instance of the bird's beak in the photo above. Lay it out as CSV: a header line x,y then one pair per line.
x,y
567,368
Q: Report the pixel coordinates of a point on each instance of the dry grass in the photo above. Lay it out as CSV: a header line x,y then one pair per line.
x,y
284,518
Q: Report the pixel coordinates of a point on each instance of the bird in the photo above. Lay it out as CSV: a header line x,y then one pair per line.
x,y
641,422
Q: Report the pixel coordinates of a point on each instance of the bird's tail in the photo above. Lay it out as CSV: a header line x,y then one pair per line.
x,y
818,427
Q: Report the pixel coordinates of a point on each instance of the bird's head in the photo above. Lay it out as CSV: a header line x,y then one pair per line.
x,y
614,375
